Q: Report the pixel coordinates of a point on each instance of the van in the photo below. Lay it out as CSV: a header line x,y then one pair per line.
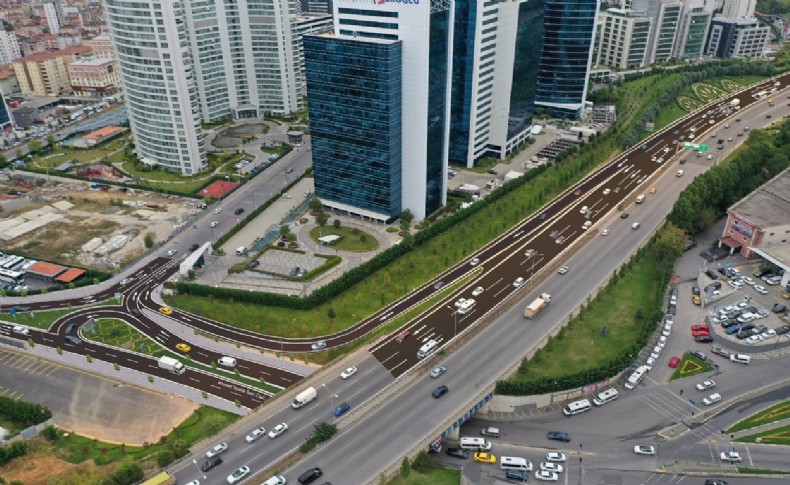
x,y
427,348
606,396
640,199
576,407
514,463
740,358
227,362
478,444
635,225
241,251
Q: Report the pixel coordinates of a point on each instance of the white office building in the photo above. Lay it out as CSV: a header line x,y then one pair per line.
x,y
740,38
695,17
157,73
51,14
665,17
738,9
624,38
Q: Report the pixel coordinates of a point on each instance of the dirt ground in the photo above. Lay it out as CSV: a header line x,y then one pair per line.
x,y
95,214
39,467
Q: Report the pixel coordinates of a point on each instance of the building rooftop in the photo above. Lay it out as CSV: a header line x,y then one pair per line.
x,y
93,61
70,275
46,269
45,56
768,205
103,132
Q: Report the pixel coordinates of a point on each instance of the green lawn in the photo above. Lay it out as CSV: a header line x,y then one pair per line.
x,y
778,436
44,320
186,188
161,175
436,476
351,239
73,154
580,345
774,413
205,421
690,366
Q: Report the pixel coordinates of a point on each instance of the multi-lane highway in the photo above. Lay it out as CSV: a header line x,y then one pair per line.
x,y
523,252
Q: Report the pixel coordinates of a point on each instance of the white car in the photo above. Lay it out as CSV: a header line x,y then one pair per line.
x,y
194,482
519,282
715,397
217,450
584,209
754,339
644,450
478,291
21,330
278,430
275,480
555,457
546,476
605,232
650,362
705,385
214,224
218,210
172,252
667,330
551,467
760,289
474,262
731,456
606,191
318,345
348,372
563,270
768,334
255,434
748,281
679,173
238,475
735,284
669,318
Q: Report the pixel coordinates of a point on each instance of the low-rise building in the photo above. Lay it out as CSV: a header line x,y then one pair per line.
x,y
96,76
46,73
738,38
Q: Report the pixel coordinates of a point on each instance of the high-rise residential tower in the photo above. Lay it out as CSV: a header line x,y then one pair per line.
x,y
379,93
566,55
665,17
738,9
9,47
692,31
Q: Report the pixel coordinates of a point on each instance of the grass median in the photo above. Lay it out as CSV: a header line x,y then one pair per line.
x,y
773,414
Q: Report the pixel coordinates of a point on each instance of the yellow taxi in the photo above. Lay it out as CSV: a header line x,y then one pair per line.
x,y
653,190
183,347
483,457
166,310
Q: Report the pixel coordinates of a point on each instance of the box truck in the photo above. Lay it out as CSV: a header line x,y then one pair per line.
x,y
537,306
171,364
304,397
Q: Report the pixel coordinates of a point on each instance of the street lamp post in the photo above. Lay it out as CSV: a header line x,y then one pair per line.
x,y
200,472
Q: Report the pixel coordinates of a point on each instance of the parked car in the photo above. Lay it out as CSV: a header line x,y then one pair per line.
x,y
458,453
711,274
705,385
674,361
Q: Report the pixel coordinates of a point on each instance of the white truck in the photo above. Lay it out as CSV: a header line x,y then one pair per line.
x,y
173,365
304,397
537,306
735,103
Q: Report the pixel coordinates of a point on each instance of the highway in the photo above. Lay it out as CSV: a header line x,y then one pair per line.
x,y
522,252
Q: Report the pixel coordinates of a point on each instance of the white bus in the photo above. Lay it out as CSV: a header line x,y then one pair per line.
x,y
426,349
478,444
606,396
637,377
514,463
466,306
576,407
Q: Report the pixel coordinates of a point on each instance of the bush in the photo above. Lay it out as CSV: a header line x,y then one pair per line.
x,y
50,433
164,458
422,462
126,474
14,450
23,413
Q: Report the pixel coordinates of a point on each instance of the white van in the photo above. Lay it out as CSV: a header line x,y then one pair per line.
x,y
514,463
426,349
606,396
241,251
576,407
478,444
740,358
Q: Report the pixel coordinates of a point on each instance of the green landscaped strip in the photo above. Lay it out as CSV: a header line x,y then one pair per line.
x,y
690,366
776,436
775,413
435,476
117,333
205,421
45,319
762,471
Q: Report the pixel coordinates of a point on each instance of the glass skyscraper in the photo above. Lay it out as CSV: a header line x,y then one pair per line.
x,y
354,88
566,55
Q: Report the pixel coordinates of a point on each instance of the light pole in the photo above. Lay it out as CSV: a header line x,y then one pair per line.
x,y
200,472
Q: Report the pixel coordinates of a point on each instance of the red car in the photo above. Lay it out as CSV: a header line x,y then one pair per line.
x,y
699,333
578,192
701,328
402,336
674,361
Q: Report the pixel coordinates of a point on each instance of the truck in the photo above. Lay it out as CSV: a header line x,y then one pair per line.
x,y
170,364
735,103
537,306
304,397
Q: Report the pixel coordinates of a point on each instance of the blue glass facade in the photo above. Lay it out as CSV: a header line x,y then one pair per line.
x,y
569,29
354,94
464,32
529,34
438,62
5,116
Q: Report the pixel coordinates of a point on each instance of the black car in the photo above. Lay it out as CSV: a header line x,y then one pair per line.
x,y
135,312
310,475
212,462
671,309
194,247
492,172
783,330
695,291
711,274
682,161
71,340
624,215
239,211
440,391
703,339
715,481
723,271
779,308
558,436
760,273
458,453
729,323
254,264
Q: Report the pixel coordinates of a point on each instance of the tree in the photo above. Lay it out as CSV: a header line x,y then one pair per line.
x,y
51,140
34,146
336,223
315,204
149,240
285,231
671,241
406,218
321,219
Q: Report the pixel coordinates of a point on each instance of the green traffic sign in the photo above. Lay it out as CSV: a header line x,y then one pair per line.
x,y
696,146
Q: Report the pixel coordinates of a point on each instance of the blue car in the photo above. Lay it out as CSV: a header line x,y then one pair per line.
x,y
342,409
558,436
733,329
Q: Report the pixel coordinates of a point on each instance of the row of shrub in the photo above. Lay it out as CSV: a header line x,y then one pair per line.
x,y
322,432
14,450
23,413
